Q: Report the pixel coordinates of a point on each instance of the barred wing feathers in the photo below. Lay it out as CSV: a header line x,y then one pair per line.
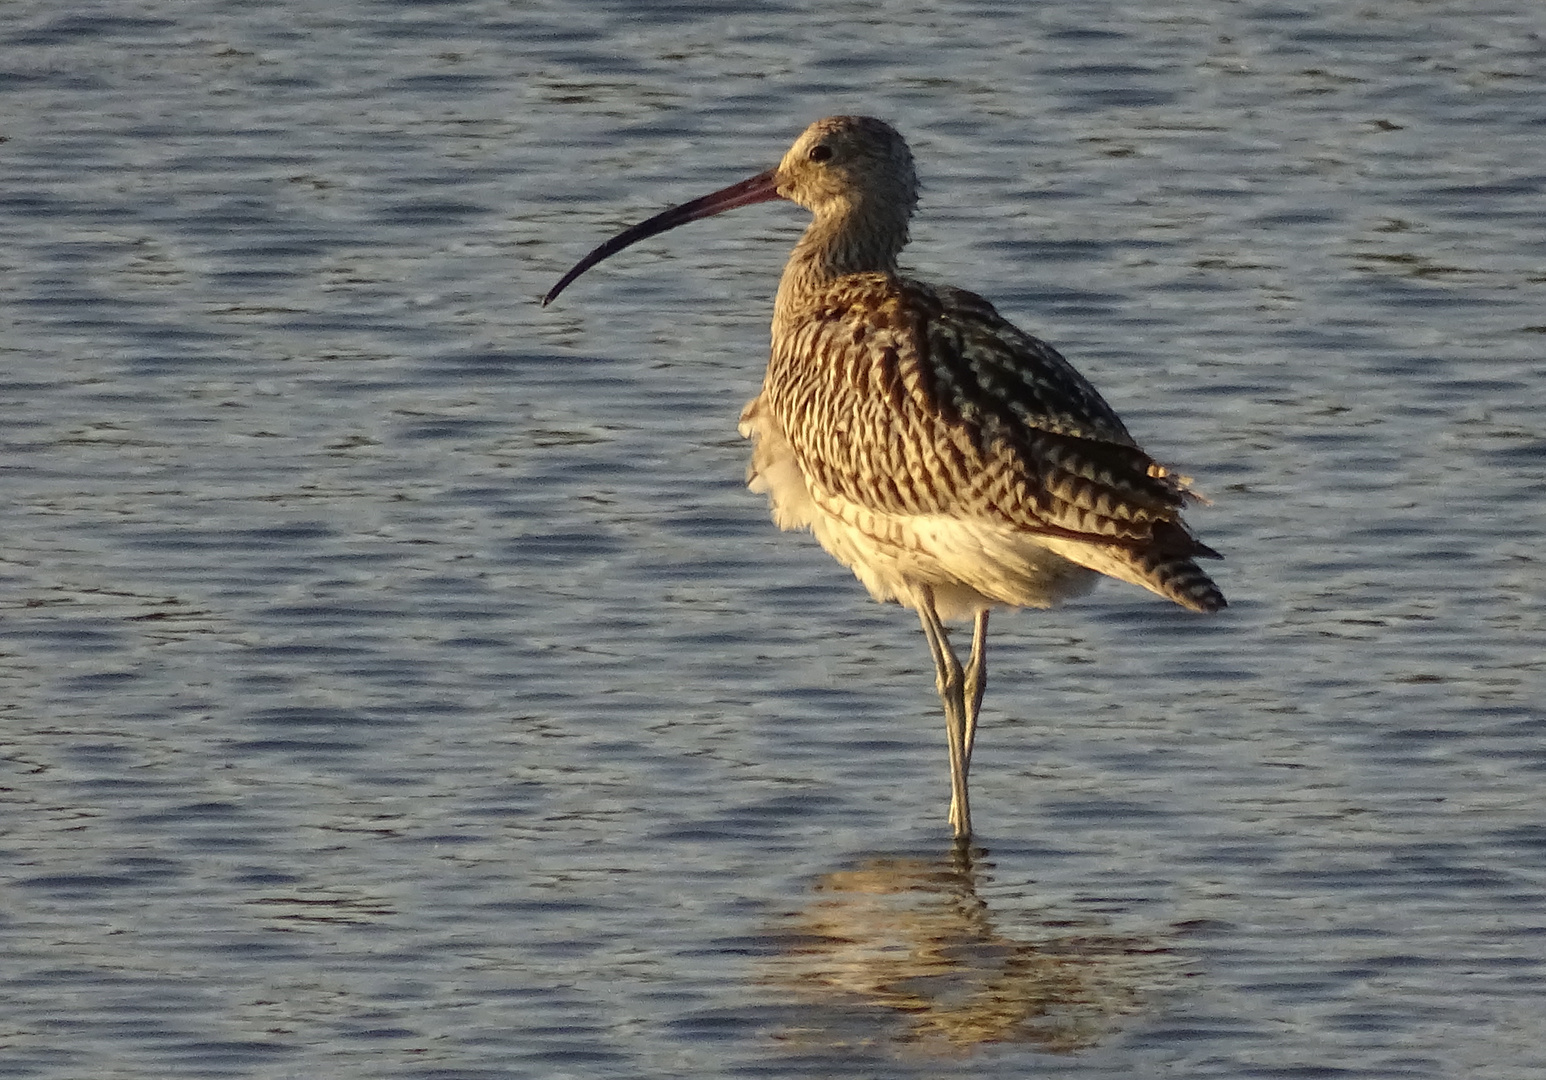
x,y
913,401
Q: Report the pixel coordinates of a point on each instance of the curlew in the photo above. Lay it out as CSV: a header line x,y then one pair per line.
x,y
951,461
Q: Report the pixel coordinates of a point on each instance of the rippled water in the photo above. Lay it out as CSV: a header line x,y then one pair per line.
x,y
398,681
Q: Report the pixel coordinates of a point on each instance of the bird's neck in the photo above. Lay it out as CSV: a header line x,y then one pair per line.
x,y
836,244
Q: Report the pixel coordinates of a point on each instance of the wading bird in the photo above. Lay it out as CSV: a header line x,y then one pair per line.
x,y
951,461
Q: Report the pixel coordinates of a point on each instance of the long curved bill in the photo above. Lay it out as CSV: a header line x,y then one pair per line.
x,y
760,188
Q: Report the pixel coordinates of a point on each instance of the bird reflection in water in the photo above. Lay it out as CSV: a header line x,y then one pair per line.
x,y
910,937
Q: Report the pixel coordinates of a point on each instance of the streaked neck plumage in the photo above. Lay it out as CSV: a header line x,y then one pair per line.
x,y
845,237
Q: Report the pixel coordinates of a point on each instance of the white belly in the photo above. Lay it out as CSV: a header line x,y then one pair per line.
x,y
970,564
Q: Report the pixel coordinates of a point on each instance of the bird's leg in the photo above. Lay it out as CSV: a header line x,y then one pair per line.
x,y
976,680
951,682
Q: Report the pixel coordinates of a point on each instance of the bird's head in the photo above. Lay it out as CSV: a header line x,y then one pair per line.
x,y
839,167
847,161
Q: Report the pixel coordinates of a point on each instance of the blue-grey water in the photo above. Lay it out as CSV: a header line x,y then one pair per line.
x,y
397,680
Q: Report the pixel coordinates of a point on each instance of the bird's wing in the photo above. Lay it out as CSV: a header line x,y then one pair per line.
x,y
912,400
983,359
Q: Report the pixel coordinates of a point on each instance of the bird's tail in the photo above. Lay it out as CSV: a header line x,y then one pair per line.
x,y
1167,566
1165,563
1180,579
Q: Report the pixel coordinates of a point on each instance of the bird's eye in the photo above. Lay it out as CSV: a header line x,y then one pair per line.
x,y
820,152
